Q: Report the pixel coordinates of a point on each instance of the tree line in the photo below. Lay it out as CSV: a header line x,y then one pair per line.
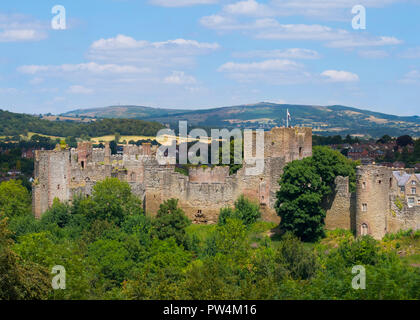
x,y
14,124
112,250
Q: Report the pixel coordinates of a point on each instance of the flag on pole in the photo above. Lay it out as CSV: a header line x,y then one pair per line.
x,y
288,118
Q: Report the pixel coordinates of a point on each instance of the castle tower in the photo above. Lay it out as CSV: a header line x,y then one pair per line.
x,y
52,174
84,153
372,200
107,154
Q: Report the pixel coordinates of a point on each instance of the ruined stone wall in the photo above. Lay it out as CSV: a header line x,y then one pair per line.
x,y
201,194
216,174
340,206
402,218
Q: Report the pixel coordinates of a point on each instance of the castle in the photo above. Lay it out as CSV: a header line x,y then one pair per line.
x,y
63,173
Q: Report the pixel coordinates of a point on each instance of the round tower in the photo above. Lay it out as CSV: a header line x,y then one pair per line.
x,y
372,200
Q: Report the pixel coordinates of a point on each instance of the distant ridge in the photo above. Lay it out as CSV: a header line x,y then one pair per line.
x,y
325,120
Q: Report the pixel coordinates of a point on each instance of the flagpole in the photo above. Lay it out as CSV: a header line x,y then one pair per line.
x,y
287,118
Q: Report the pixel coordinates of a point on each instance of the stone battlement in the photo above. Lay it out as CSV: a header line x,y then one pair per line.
x,y
373,209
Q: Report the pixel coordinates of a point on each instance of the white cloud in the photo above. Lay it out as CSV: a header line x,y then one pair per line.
x,y
271,29
340,76
90,67
248,7
124,49
79,90
373,54
128,67
125,42
179,78
181,3
324,9
36,81
275,71
364,42
8,91
225,23
291,53
267,65
20,28
411,77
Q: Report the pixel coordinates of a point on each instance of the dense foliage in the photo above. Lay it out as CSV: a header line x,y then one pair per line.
x,y
304,188
244,210
112,250
16,124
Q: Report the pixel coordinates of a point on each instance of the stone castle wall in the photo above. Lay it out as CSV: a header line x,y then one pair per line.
x,y
370,210
340,207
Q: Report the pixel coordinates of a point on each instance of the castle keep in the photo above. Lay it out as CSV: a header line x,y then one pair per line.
x,y
385,200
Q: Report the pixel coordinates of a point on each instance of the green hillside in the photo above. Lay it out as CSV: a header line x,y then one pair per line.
x,y
127,112
325,120
13,124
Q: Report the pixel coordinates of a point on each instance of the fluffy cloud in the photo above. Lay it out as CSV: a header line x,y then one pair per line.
x,y
179,78
274,71
91,68
181,3
373,54
271,29
19,28
292,53
124,49
340,76
267,65
76,89
325,9
248,7
411,77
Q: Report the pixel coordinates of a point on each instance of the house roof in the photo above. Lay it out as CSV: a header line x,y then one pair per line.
x,y
402,178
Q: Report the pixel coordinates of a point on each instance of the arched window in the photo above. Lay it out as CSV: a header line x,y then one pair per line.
x,y
364,229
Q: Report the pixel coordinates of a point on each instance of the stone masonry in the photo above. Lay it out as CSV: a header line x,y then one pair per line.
x,y
376,208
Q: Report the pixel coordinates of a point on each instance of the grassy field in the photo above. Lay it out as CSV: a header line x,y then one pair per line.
x,y
109,138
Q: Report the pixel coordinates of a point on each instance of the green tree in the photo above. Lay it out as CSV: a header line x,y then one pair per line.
x,y
245,210
171,221
305,185
113,201
39,248
19,279
299,200
329,164
58,214
15,199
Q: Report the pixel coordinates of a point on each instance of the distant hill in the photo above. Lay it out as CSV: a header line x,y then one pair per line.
x,y
13,124
126,112
325,120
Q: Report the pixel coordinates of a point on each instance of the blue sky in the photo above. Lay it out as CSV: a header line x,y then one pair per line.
x,y
209,53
